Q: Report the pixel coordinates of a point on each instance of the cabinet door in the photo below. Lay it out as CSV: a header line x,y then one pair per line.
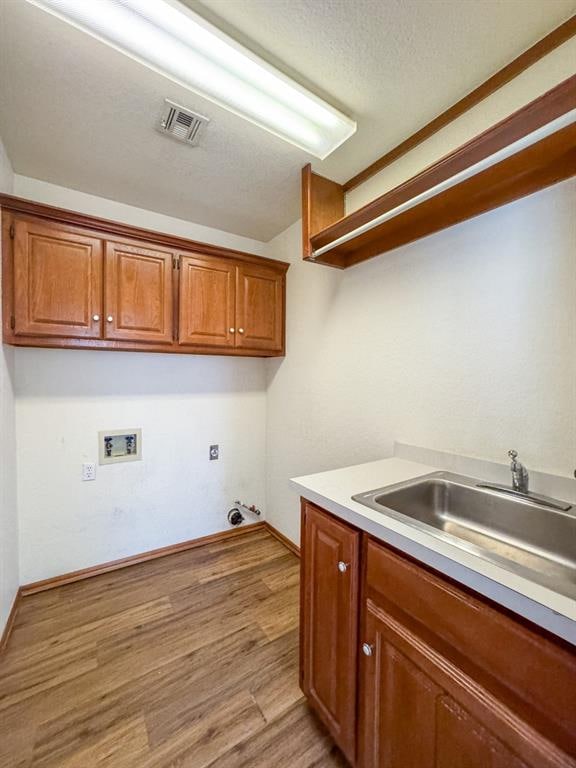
x,y
329,616
259,308
139,289
57,280
418,710
207,301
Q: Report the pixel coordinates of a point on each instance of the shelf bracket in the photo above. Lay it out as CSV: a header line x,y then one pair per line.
x,y
322,205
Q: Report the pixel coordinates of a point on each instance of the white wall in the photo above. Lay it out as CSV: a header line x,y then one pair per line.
x,y
8,518
61,197
463,342
183,404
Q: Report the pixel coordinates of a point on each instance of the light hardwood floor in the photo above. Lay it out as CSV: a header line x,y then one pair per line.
x,y
188,661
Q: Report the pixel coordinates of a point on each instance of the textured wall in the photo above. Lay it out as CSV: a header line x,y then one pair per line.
x,y
183,404
463,341
62,197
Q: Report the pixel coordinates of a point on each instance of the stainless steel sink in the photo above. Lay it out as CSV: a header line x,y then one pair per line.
x,y
519,534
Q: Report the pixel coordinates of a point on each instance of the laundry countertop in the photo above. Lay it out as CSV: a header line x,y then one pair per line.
x,y
333,491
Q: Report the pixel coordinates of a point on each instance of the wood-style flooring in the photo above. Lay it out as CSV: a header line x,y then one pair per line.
x,y
187,661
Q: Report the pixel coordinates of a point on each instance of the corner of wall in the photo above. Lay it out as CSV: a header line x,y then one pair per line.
x,y
106,208
9,566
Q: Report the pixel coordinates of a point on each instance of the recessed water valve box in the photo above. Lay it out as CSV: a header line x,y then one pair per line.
x,y
116,445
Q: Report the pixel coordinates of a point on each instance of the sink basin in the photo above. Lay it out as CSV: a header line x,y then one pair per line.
x,y
517,533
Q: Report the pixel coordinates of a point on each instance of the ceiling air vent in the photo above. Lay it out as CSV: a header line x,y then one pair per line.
x,y
181,123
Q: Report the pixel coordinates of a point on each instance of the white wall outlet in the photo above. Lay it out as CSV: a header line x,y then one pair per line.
x,y
89,470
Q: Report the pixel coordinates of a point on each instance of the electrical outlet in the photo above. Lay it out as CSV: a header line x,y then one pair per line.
x,y
89,470
214,452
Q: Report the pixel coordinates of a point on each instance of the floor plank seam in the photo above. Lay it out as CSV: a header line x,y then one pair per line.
x,y
186,673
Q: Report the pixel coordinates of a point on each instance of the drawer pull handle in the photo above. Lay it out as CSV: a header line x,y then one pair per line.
x,y
109,318
342,566
95,318
366,649
240,330
232,330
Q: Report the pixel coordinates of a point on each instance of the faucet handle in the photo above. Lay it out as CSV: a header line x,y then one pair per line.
x,y
513,454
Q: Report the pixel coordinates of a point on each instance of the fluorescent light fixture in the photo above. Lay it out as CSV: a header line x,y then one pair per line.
x,y
169,38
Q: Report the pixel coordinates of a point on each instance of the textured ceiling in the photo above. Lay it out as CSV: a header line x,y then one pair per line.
x,y
78,113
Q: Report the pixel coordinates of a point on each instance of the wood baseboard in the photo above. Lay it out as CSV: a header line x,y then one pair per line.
x,y
125,562
11,619
97,570
288,543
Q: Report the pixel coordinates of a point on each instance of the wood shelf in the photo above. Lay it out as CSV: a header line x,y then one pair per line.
x,y
543,163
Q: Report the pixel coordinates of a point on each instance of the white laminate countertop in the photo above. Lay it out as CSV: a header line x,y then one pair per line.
x,y
333,491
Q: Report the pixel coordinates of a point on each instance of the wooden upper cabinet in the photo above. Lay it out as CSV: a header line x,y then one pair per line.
x,y
72,280
207,301
139,291
259,308
57,280
329,615
229,305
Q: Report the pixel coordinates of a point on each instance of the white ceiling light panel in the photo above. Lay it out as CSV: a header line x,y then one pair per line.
x,y
172,40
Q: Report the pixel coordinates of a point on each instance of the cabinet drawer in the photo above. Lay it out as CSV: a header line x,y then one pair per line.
x,y
536,673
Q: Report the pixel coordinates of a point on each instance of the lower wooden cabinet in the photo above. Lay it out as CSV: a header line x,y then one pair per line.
x,y
445,678
329,621
418,710
75,281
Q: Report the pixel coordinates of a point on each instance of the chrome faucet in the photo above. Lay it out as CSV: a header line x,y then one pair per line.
x,y
520,482
520,477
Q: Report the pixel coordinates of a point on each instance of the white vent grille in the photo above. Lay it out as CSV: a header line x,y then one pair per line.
x,y
182,123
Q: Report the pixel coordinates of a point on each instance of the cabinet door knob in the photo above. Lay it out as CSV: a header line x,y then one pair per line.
x,y
95,318
240,330
342,566
232,330
109,318
366,649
